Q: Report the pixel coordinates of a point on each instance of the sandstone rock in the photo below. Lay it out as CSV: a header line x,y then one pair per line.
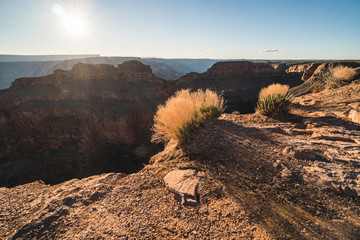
x,y
354,115
355,105
334,137
337,144
357,140
332,176
300,153
184,184
305,69
337,157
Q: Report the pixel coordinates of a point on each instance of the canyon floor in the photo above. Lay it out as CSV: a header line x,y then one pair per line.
x,y
261,178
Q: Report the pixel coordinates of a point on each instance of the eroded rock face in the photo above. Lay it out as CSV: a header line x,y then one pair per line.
x,y
314,73
239,81
92,119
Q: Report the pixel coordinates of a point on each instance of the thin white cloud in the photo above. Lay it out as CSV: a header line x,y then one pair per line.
x,y
269,50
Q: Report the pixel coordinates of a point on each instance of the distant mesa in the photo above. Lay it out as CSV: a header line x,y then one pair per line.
x,y
134,67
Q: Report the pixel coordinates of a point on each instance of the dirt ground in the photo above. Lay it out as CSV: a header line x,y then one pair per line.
x,y
251,188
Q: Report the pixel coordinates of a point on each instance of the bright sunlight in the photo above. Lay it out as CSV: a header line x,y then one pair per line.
x,y
74,24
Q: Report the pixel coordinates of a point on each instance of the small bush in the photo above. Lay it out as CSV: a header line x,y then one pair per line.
x,y
273,100
211,111
273,89
339,76
184,132
273,105
183,113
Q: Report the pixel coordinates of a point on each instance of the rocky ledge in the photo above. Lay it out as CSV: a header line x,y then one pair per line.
x,y
241,176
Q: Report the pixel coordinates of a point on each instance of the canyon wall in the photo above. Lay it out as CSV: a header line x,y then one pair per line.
x,y
97,118
92,119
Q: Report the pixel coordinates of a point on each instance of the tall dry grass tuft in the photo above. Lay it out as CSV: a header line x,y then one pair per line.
x,y
339,76
273,100
181,114
273,89
342,73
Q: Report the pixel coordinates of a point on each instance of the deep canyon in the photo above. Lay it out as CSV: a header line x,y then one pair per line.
x,y
97,118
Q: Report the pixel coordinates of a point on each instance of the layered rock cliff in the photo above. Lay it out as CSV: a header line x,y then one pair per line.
x,y
76,123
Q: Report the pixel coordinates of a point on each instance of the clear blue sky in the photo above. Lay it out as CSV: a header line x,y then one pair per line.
x,y
288,29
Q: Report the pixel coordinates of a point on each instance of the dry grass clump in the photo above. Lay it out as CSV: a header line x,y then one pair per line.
x,y
185,112
274,105
339,76
273,89
343,72
273,100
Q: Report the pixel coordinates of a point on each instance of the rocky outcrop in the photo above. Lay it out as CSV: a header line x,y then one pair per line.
x,y
92,119
314,73
306,70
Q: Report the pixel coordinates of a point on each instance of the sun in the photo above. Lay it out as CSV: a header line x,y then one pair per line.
x,y
74,25
72,20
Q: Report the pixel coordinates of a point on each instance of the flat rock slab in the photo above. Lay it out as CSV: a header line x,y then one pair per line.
x,y
335,177
332,137
184,184
354,115
300,153
331,155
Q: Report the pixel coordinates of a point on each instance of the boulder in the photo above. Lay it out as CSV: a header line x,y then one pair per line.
x,y
354,115
183,183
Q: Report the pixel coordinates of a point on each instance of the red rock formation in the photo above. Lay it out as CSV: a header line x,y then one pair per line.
x,y
75,123
307,70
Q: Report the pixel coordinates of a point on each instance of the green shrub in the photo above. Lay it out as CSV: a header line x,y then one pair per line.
x,y
211,111
273,105
184,132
